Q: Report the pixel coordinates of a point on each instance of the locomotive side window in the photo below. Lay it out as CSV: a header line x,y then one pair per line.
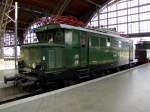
x,y
114,43
103,42
108,42
120,44
123,44
94,42
127,45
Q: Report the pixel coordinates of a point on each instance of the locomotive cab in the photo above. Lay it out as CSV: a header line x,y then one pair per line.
x,y
46,55
40,60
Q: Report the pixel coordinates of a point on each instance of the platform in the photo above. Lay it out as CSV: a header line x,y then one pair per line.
x,y
127,91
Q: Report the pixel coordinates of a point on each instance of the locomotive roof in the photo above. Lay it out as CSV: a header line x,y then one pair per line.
x,y
143,42
65,26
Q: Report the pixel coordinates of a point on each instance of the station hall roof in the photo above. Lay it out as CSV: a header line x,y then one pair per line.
x,y
30,10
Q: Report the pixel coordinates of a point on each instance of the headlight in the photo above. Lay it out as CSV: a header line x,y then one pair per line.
x,y
33,65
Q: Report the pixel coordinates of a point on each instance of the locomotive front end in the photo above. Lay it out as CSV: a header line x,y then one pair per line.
x,y
39,60
33,57
30,67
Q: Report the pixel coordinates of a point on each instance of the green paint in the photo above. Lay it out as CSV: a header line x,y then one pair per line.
x,y
75,48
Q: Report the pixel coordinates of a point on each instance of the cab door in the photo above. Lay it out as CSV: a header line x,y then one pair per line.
x,y
84,54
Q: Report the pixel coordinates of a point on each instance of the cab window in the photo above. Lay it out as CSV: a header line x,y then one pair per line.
x,y
55,36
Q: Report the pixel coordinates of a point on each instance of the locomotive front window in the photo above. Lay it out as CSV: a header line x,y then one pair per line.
x,y
55,36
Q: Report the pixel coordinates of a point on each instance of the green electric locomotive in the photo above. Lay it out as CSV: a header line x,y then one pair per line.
x,y
66,52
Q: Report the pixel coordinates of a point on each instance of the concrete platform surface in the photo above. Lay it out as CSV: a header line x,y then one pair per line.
x,y
127,91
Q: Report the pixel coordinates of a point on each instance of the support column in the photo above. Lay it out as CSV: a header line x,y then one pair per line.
x,y
16,34
98,15
1,45
5,9
107,16
1,52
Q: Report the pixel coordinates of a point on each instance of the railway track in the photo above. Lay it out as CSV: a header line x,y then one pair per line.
x,y
13,97
10,93
18,96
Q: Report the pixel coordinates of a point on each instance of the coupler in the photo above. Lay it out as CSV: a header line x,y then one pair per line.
x,y
10,78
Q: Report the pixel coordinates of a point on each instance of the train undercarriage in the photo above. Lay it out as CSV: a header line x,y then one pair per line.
x,y
36,79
